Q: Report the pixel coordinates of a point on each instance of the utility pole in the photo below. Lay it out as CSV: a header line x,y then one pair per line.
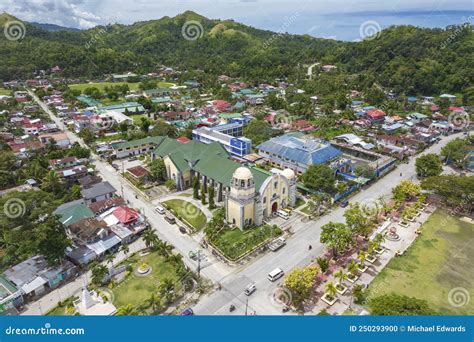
x,y
199,263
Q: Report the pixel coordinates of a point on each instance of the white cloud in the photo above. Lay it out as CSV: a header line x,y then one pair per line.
x,y
317,17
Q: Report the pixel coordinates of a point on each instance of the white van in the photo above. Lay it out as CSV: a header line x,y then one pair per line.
x,y
283,214
250,289
276,274
159,209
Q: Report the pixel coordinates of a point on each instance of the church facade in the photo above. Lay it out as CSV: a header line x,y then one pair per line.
x,y
247,204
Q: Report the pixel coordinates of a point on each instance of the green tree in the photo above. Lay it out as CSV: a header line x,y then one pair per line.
x,y
336,236
203,194
52,240
98,274
405,191
170,184
457,191
150,238
52,183
195,188
331,290
428,165
320,177
127,310
455,151
258,131
358,220
87,135
300,283
399,305
157,170
212,205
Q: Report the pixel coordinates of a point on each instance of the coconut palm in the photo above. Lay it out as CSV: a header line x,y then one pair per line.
x,y
51,182
151,238
109,259
125,249
352,267
154,302
164,248
341,276
175,259
331,290
128,310
361,257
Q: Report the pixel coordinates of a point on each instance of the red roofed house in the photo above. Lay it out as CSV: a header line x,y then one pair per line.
x,y
126,215
138,172
221,105
183,140
177,115
302,126
376,115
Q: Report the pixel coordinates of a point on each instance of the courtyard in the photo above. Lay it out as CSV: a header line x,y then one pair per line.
x,y
188,212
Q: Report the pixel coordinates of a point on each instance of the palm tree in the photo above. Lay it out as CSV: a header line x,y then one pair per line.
x,y
175,259
341,276
331,290
51,182
125,249
154,302
150,238
98,274
352,268
164,248
109,259
362,256
127,310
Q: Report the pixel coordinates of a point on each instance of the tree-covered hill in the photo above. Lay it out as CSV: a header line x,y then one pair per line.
x,y
405,58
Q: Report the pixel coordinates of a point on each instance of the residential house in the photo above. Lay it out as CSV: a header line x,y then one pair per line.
x,y
98,192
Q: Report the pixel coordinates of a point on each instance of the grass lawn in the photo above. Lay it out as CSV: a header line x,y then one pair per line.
x,y
4,91
135,290
188,211
234,243
137,118
102,85
299,202
60,310
438,261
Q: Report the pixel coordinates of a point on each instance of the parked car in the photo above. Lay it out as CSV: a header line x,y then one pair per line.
x,y
187,312
159,209
182,230
283,214
250,289
344,204
170,219
132,159
276,274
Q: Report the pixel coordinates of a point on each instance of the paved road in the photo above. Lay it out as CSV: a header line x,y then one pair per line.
x,y
233,280
296,252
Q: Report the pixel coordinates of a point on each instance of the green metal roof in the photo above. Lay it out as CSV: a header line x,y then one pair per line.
x,y
135,143
74,213
230,115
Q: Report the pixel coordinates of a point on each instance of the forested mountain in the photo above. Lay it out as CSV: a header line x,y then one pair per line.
x,y
405,58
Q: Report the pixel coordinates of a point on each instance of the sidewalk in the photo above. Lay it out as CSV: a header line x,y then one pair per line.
x,y
407,237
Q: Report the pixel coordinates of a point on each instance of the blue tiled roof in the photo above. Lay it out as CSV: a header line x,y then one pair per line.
x,y
306,152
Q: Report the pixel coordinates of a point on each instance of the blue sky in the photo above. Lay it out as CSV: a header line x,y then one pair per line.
x,y
337,19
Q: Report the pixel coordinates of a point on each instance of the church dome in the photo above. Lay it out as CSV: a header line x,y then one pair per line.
x,y
243,173
289,174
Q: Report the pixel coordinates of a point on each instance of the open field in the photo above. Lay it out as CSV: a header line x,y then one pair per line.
x,y
188,211
102,85
4,91
135,289
438,262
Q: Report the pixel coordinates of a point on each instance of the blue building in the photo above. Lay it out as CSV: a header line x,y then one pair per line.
x,y
288,151
229,136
